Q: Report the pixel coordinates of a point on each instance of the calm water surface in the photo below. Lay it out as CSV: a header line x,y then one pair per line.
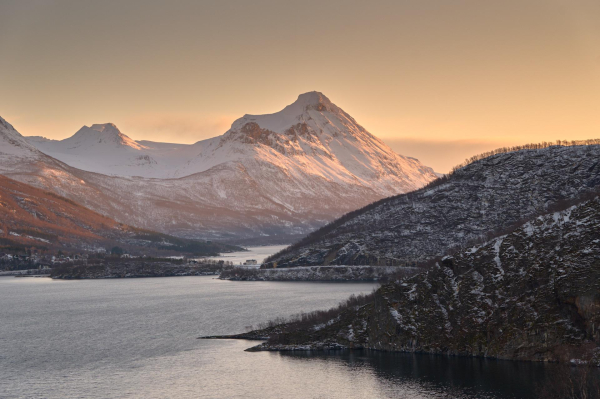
x,y
136,338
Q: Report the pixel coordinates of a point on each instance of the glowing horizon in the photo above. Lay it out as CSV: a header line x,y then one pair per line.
x,y
439,81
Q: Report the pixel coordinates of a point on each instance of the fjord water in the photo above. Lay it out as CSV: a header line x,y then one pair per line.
x,y
136,338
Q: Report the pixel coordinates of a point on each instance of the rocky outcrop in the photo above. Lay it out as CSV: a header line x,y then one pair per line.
x,y
488,195
533,294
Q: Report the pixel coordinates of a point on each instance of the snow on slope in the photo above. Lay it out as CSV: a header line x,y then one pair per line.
x,y
311,138
314,138
13,146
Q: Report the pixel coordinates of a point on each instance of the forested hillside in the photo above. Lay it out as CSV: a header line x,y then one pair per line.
x,y
480,198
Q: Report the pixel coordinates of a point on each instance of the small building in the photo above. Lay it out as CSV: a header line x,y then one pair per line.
x,y
250,262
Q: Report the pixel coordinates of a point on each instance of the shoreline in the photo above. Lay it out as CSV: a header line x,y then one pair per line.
x,y
323,347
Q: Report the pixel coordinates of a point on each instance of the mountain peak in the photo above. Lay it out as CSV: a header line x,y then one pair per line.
x,y
312,98
102,133
297,112
106,128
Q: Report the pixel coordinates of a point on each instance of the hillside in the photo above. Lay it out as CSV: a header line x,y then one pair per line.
x,y
33,218
487,195
531,294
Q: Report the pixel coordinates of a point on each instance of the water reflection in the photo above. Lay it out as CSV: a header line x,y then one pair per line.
x,y
136,338
448,376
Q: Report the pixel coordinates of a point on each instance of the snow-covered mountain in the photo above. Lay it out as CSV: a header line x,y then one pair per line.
x,y
269,175
309,139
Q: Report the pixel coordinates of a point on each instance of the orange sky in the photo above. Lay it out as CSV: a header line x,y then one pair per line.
x,y
436,79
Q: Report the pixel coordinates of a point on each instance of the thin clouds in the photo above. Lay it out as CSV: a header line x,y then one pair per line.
x,y
176,128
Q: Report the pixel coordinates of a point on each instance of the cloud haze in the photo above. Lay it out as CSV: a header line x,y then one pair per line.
x,y
178,128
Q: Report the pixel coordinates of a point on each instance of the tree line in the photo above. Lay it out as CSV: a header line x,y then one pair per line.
x,y
530,146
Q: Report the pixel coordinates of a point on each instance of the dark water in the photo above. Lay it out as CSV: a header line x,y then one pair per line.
x,y
136,338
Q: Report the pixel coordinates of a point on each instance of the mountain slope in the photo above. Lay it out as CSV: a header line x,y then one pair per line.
x,y
487,195
313,139
30,217
310,163
532,294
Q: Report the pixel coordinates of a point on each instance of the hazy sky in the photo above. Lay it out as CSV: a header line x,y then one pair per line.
x,y
436,79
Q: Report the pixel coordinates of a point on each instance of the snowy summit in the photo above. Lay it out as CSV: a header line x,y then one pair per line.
x,y
310,138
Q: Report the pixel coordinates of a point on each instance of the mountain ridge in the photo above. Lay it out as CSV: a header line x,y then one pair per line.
x,y
483,196
311,136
